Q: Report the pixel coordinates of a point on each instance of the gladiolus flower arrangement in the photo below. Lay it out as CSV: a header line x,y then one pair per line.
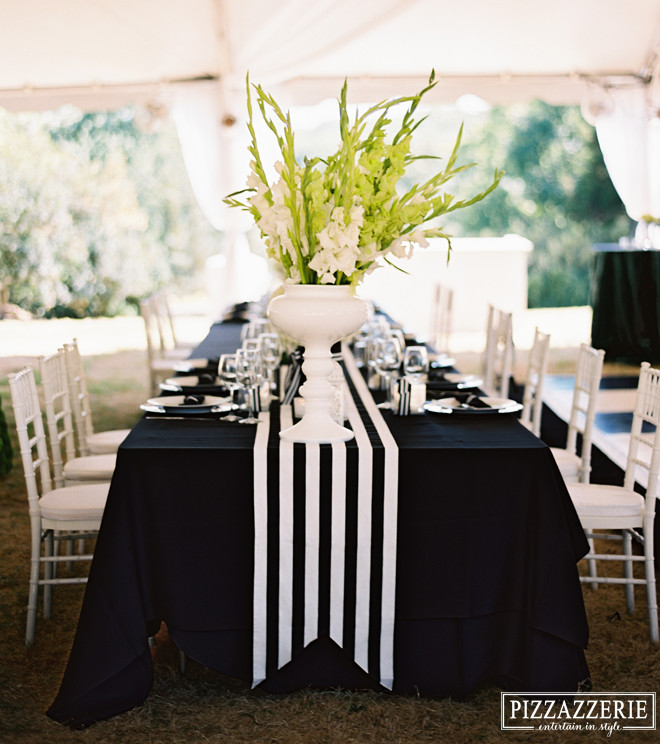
x,y
332,220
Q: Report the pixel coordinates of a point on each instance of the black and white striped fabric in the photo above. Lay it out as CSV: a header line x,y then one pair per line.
x,y
325,539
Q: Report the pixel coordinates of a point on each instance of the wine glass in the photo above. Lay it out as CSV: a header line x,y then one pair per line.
x,y
251,343
271,353
253,328
250,375
227,373
415,362
377,331
387,360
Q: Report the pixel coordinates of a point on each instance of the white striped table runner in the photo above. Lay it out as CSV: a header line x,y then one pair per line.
x,y
335,589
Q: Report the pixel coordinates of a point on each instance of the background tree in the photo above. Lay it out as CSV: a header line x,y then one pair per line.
x,y
556,192
94,212
96,209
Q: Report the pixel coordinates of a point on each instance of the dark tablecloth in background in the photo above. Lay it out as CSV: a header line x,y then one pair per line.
x,y
487,585
626,303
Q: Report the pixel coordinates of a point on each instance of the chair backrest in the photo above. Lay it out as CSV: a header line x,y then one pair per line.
x,y
533,393
80,403
588,374
441,318
165,319
159,313
498,354
152,331
644,449
59,415
31,435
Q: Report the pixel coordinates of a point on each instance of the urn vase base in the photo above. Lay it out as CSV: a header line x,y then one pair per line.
x,y
317,316
324,431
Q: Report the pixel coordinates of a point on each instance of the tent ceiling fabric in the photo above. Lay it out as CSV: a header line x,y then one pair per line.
x,y
99,53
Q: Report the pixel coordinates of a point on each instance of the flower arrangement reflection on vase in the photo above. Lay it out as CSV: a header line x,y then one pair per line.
x,y
328,221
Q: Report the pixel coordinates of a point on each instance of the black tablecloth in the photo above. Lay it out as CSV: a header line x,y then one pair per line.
x,y
487,585
626,303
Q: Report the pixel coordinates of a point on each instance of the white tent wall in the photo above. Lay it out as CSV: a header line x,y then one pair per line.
x,y
193,56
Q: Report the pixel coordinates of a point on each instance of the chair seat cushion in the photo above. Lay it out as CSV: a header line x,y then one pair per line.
x,y
567,462
75,502
593,500
106,442
94,467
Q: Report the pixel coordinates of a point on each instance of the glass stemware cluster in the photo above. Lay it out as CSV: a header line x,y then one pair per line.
x,y
381,352
250,370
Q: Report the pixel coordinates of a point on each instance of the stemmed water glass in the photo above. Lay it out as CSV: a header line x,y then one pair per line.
x,y
253,328
378,329
415,362
250,375
387,358
271,353
227,373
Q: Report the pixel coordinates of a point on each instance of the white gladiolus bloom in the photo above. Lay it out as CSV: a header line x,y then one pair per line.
x,y
347,259
398,247
419,238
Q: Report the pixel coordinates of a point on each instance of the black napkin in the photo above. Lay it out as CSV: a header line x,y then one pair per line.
x,y
205,379
472,400
193,400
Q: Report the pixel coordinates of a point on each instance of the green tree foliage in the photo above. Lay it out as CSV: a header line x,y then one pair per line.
x,y
94,212
556,192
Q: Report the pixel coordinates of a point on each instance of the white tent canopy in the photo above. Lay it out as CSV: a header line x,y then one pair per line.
x,y
103,52
192,57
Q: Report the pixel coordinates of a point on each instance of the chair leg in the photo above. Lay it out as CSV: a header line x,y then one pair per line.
x,y
33,593
591,563
48,574
651,595
628,571
69,551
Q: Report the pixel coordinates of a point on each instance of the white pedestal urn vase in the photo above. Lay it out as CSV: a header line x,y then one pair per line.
x,y
317,316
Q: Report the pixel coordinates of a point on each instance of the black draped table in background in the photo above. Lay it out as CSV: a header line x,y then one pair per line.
x,y
487,590
625,291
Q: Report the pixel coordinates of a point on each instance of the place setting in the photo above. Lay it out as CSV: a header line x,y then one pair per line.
x,y
188,406
416,381
472,404
237,385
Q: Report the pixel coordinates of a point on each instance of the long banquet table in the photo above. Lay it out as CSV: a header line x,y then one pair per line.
x,y
487,590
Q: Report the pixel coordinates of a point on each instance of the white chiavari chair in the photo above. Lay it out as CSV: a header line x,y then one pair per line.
x,y
160,367
534,379
576,467
441,317
90,442
55,513
498,354
619,512
68,470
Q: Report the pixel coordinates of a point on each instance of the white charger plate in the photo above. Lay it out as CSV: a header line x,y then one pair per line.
x,y
189,384
454,405
188,365
438,361
175,404
455,380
